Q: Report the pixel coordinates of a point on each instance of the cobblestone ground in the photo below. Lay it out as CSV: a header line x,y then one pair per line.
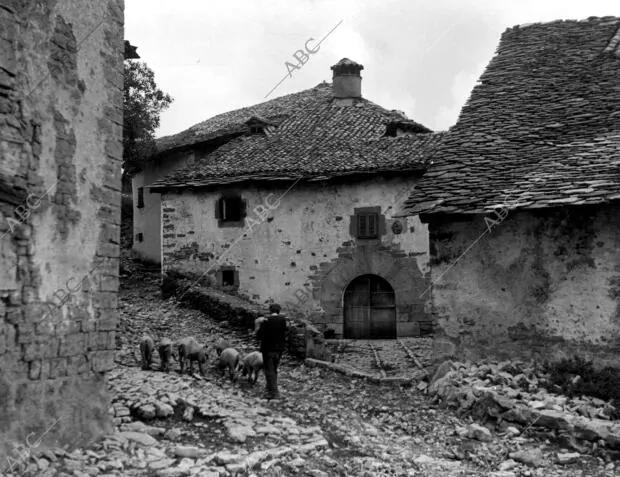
x,y
326,425
404,357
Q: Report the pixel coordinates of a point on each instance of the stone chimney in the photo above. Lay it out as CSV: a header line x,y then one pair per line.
x,y
347,81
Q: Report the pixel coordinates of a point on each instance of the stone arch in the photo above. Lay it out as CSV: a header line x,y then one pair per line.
x,y
368,308
390,263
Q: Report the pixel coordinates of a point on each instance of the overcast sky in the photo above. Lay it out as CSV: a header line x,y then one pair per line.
x,y
420,57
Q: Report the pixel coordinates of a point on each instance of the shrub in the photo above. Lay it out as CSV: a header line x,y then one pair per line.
x,y
603,384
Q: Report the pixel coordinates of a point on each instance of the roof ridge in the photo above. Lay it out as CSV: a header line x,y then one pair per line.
x,y
569,20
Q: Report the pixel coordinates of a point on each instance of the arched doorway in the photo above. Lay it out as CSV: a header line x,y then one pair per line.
x,y
369,309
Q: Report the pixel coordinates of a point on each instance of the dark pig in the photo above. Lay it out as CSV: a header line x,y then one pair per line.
x,y
189,351
200,356
147,346
166,353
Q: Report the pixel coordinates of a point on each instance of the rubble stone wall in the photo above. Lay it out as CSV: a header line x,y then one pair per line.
x,y
298,249
304,339
61,80
543,283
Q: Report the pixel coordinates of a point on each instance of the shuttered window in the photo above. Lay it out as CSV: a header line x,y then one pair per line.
x,y
367,226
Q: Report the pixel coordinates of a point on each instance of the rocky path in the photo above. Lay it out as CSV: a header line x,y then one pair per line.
x,y
384,358
326,425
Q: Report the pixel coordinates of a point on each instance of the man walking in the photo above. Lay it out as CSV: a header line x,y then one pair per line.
x,y
272,336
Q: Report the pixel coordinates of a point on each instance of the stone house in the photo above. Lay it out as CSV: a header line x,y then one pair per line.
x,y
521,200
300,211
61,80
178,150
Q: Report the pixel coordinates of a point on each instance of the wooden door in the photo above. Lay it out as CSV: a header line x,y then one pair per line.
x,y
369,309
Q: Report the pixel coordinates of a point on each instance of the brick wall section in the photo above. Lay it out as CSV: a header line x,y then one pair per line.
x,y
60,155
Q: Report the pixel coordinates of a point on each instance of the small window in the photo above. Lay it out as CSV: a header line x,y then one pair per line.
x,y
367,226
228,278
256,130
140,197
139,237
367,223
230,209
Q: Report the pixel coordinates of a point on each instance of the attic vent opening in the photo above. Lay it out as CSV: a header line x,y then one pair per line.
x,y
405,127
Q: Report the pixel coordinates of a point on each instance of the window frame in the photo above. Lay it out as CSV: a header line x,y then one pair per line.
x,y
220,210
230,274
220,277
361,233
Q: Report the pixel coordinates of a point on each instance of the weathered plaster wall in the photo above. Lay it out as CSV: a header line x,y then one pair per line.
x,y
301,254
540,284
147,220
60,156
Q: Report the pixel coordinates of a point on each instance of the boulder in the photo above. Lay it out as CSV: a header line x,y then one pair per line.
x,y
531,457
189,451
139,437
147,411
478,432
567,458
163,409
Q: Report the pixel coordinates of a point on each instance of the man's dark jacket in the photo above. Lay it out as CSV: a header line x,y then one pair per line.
x,y
272,334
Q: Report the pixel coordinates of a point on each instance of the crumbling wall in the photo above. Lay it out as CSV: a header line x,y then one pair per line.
x,y
542,283
60,155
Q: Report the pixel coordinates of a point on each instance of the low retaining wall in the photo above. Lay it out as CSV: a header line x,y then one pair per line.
x,y
304,339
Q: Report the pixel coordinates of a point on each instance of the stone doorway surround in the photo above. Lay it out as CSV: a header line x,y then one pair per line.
x,y
399,269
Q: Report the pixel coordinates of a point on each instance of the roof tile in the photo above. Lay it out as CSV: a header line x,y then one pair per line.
x,y
543,116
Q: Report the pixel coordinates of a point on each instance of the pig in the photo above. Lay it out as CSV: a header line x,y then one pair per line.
x,y
251,364
147,346
189,351
166,353
200,356
229,359
220,346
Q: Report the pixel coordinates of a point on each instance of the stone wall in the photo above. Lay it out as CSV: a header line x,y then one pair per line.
x,y
542,283
304,339
61,82
295,247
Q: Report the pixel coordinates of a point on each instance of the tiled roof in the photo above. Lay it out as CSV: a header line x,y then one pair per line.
x,y
256,158
233,122
541,128
327,137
